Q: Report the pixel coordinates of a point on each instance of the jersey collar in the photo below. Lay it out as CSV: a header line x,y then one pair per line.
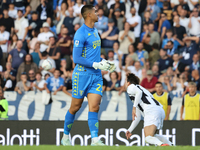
x,y
88,28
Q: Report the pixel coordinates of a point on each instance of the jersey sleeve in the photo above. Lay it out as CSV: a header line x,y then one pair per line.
x,y
79,44
133,90
136,121
79,39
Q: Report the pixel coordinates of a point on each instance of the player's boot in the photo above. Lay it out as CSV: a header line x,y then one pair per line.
x,y
97,143
66,142
164,145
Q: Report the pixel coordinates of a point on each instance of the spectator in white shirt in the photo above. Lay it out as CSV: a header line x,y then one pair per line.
x,y
12,11
4,37
175,2
183,20
43,37
194,25
116,62
77,7
117,52
126,37
135,23
21,26
137,70
45,55
192,3
39,83
7,82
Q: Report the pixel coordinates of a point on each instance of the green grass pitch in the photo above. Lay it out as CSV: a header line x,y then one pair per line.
x,y
53,147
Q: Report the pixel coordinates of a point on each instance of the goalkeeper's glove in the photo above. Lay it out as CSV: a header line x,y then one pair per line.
x,y
112,66
103,65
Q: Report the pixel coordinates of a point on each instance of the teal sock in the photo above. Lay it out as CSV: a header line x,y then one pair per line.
x,y
93,124
69,120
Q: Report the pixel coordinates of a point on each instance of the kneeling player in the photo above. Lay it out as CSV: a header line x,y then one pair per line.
x,y
146,105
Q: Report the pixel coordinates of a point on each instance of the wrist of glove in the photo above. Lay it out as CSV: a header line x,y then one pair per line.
x,y
103,65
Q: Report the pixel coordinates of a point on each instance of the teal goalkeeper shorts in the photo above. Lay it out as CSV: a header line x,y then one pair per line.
x,y
84,83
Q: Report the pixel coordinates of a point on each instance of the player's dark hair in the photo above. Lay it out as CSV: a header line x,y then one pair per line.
x,y
85,9
132,78
159,83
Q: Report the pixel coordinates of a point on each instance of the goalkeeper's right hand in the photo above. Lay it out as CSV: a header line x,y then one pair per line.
x,y
103,65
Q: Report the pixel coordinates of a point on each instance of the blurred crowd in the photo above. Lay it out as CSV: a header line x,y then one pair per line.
x,y
158,40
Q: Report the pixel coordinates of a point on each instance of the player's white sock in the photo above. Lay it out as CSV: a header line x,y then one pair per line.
x,y
65,136
95,139
153,140
163,139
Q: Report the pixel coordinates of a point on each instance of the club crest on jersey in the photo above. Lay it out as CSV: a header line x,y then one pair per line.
x,y
76,43
95,34
81,92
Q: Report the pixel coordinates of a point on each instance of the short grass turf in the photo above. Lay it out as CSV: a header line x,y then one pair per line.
x,y
53,147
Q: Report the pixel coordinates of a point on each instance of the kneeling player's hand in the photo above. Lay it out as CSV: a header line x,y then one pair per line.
x,y
103,65
112,66
128,135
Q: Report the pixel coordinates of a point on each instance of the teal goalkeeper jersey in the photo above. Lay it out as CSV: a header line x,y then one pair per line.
x,y
87,49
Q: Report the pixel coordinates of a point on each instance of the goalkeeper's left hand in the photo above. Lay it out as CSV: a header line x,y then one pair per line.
x,y
112,66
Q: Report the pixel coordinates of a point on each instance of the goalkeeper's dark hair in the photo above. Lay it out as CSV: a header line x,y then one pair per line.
x,y
85,9
132,78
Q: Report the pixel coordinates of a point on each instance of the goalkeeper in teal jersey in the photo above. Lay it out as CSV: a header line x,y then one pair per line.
x,y
87,79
